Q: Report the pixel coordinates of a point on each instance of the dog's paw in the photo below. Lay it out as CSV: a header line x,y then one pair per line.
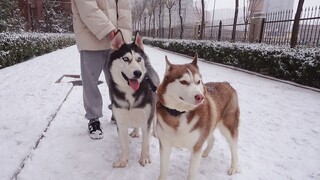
x,y
233,170
144,160
205,154
162,177
120,163
135,133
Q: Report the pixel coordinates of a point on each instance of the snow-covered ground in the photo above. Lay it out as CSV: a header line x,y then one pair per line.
x,y
43,132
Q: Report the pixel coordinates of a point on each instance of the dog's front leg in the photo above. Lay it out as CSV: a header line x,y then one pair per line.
x,y
194,164
145,156
123,160
135,133
154,127
165,152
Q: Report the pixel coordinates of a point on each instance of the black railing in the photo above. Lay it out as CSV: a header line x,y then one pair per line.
x,y
276,29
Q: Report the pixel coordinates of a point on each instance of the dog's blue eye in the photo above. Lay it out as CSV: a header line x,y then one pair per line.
x,y
126,59
139,59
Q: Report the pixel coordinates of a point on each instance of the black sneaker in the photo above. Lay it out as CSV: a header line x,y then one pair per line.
x,y
94,128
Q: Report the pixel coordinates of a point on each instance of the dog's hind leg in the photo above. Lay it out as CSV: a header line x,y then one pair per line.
x,y
145,155
233,145
210,142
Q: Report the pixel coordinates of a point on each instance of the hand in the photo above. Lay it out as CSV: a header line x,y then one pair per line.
x,y
111,35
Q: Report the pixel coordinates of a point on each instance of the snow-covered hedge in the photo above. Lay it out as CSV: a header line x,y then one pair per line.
x,y
299,65
16,48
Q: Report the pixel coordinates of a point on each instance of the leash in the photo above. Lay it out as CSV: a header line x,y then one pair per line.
x,y
153,87
172,112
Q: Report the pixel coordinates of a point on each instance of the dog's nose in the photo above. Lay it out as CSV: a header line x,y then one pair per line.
x,y
198,98
137,74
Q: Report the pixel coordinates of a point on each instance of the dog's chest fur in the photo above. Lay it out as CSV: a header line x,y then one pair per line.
x,y
180,131
134,118
190,129
127,100
133,109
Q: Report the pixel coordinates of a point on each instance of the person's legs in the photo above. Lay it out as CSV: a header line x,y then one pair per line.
x,y
106,71
92,63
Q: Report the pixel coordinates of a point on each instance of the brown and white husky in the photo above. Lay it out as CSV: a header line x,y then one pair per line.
x,y
188,111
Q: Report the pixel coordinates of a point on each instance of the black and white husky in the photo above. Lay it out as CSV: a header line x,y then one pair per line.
x,y
131,91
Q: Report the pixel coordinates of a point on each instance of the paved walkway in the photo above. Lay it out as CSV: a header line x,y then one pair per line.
x,y
43,132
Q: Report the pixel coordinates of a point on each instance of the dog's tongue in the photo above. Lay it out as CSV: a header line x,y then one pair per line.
x,y
134,84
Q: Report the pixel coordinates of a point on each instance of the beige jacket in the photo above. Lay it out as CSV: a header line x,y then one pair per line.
x,y
93,20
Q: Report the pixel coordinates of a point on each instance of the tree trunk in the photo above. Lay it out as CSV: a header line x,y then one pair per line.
x,y
295,28
181,21
160,11
154,25
149,31
234,29
202,20
245,30
169,31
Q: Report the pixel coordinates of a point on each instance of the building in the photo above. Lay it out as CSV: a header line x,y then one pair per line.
x,y
276,5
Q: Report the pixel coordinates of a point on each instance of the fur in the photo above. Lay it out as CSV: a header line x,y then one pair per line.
x,y
188,111
133,101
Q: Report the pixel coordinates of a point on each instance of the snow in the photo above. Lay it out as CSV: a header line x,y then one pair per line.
x,y
43,132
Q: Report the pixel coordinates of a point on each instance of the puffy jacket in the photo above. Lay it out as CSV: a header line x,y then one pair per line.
x,y
93,20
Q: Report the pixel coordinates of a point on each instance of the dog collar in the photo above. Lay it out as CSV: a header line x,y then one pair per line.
x,y
172,112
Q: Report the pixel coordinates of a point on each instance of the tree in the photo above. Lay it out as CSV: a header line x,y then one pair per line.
x,y
11,18
248,11
295,28
138,10
181,20
233,36
201,16
151,6
202,20
55,19
170,4
160,3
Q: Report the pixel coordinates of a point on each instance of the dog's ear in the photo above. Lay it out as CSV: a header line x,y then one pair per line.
x,y
117,41
195,60
138,40
168,64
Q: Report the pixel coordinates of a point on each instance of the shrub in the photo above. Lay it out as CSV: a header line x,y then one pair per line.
x,y
16,48
300,65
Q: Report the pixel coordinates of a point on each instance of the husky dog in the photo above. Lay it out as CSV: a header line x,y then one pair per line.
x,y
132,79
188,111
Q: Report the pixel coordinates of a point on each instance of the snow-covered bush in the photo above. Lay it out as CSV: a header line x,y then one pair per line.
x,y
16,48
300,65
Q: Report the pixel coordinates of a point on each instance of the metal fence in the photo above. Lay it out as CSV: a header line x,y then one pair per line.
x,y
276,29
